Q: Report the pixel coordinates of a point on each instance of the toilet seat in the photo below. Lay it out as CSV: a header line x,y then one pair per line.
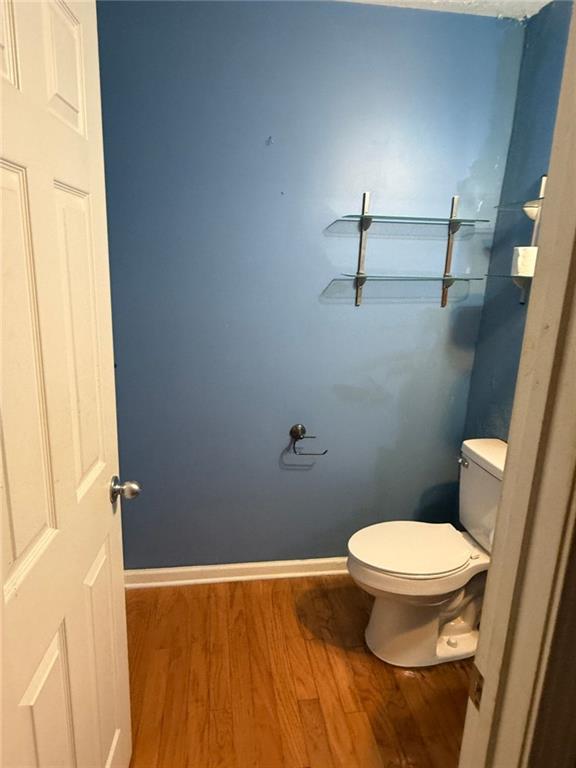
x,y
412,550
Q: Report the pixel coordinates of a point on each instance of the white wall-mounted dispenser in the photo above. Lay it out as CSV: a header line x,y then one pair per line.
x,y
525,256
524,261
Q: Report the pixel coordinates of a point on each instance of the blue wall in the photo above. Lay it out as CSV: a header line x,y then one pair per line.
x,y
235,133
503,317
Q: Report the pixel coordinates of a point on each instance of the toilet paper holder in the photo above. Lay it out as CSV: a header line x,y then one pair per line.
x,y
297,433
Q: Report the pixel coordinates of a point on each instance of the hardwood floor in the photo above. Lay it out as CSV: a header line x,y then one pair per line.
x,y
275,674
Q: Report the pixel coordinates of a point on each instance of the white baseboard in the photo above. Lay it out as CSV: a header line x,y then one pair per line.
x,y
208,574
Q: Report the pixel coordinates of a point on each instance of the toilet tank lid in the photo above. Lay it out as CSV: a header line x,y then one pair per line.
x,y
489,453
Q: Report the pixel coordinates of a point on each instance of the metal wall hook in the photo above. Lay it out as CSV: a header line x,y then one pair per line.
x,y
298,432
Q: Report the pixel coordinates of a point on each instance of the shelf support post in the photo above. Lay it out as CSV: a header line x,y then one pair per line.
x,y
536,227
453,227
365,222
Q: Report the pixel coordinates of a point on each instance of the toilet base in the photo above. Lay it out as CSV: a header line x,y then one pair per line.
x,y
466,649
419,632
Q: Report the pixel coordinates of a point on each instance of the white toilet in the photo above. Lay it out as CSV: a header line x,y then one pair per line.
x,y
428,578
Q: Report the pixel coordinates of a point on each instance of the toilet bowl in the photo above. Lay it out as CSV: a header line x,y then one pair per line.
x,y
428,578
427,581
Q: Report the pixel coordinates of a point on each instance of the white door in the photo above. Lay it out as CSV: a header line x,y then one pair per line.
x,y
65,669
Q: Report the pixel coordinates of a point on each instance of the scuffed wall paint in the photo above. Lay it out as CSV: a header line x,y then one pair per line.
x,y
235,133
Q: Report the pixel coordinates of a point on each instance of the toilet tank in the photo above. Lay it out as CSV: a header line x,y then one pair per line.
x,y
481,471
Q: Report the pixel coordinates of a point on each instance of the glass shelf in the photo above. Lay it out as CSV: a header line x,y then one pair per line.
x,y
519,205
512,277
417,278
398,288
529,207
416,227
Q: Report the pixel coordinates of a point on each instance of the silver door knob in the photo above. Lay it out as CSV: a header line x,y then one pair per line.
x,y
128,490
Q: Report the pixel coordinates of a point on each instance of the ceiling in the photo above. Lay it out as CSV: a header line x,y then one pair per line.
x,y
515,9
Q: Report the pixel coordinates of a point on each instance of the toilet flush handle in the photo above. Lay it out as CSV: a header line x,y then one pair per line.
x,y
463,462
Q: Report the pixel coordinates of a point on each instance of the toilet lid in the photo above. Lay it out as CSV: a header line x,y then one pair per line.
x,y
410,548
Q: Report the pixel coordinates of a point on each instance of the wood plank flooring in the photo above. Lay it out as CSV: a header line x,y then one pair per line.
x,y
275,674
